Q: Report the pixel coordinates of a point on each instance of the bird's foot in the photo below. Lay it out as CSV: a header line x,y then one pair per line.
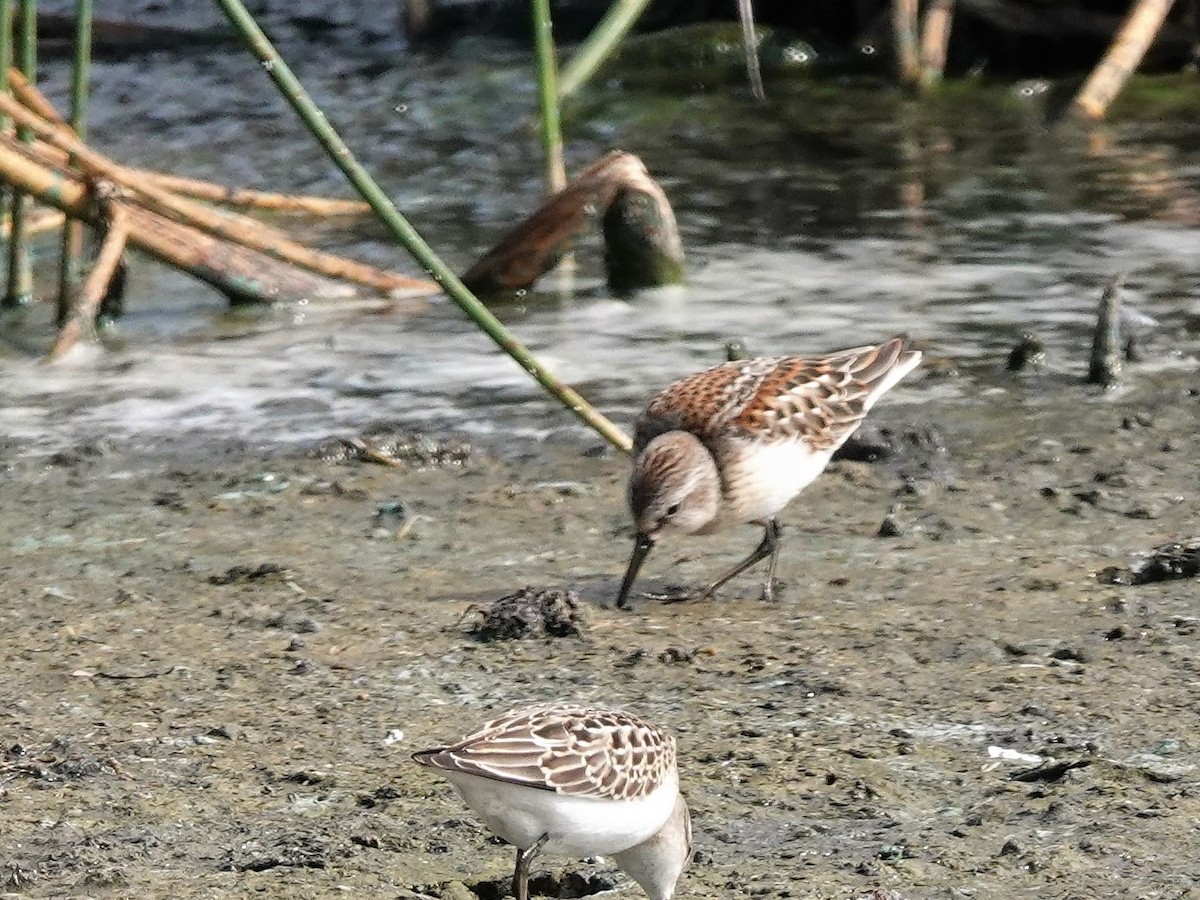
x,y
772,590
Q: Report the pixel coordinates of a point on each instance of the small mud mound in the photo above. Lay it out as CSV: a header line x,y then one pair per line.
x,y
1177,559
527,613
914,451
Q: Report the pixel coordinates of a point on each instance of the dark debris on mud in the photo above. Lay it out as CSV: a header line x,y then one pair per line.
x,y
60,762
412,450
248,574
285,850
527,613
1175,559
565,885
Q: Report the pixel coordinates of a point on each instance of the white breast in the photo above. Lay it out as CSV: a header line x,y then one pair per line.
x,y
577,826
762,478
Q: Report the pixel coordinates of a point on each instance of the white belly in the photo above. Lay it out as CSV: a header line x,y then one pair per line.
x,y
577,826
762,478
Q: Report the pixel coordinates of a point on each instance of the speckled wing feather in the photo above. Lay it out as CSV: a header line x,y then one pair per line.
x,y
819,400
576,750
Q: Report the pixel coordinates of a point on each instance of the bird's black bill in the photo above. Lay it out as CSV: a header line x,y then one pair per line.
x,y
642,545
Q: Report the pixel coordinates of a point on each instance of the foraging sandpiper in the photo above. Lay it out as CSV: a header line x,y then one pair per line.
x,y
734,444
576,781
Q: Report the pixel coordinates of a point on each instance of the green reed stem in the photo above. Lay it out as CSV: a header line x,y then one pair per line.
x,y
366,186
547,66
72,235
6,48
20,271
604,38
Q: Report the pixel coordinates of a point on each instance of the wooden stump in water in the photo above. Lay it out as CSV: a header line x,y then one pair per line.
x,y
642,247
642,244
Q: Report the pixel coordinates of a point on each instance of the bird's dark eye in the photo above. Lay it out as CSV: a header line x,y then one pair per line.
x,y
672,509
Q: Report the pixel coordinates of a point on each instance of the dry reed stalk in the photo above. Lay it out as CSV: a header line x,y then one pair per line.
x,y
82,318
40,221
1133,39
37,102
229,226
935,41
236,271
251,199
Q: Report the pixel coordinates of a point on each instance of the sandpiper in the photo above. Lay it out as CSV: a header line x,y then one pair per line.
x,y
734,444
576,781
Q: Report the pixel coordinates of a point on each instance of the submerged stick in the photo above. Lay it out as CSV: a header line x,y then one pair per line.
x,y
604,38
72,235
1136,35
935,41
358,176
229,226
82,319
750,48
547,70
1105,364
904,38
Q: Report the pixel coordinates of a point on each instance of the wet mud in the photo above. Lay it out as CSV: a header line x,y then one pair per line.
x,y
217,660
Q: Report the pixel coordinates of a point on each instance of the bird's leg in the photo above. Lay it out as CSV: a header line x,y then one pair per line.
x,y
768,591
521,870
768,546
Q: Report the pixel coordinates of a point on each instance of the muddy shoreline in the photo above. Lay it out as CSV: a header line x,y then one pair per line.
x,y
206,649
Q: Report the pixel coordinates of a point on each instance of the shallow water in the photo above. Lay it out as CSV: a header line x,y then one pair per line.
x,y
834,216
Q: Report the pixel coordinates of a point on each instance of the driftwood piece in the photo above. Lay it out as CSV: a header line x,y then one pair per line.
x,y
1137,33
536,245
92,293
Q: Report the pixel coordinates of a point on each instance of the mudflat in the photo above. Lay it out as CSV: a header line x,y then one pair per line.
x,y
217,660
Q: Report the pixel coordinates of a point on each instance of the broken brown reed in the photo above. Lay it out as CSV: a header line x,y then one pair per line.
x,y
241,274
228,226
251,199
535,245
40,221
37,102
82,317
1124,55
